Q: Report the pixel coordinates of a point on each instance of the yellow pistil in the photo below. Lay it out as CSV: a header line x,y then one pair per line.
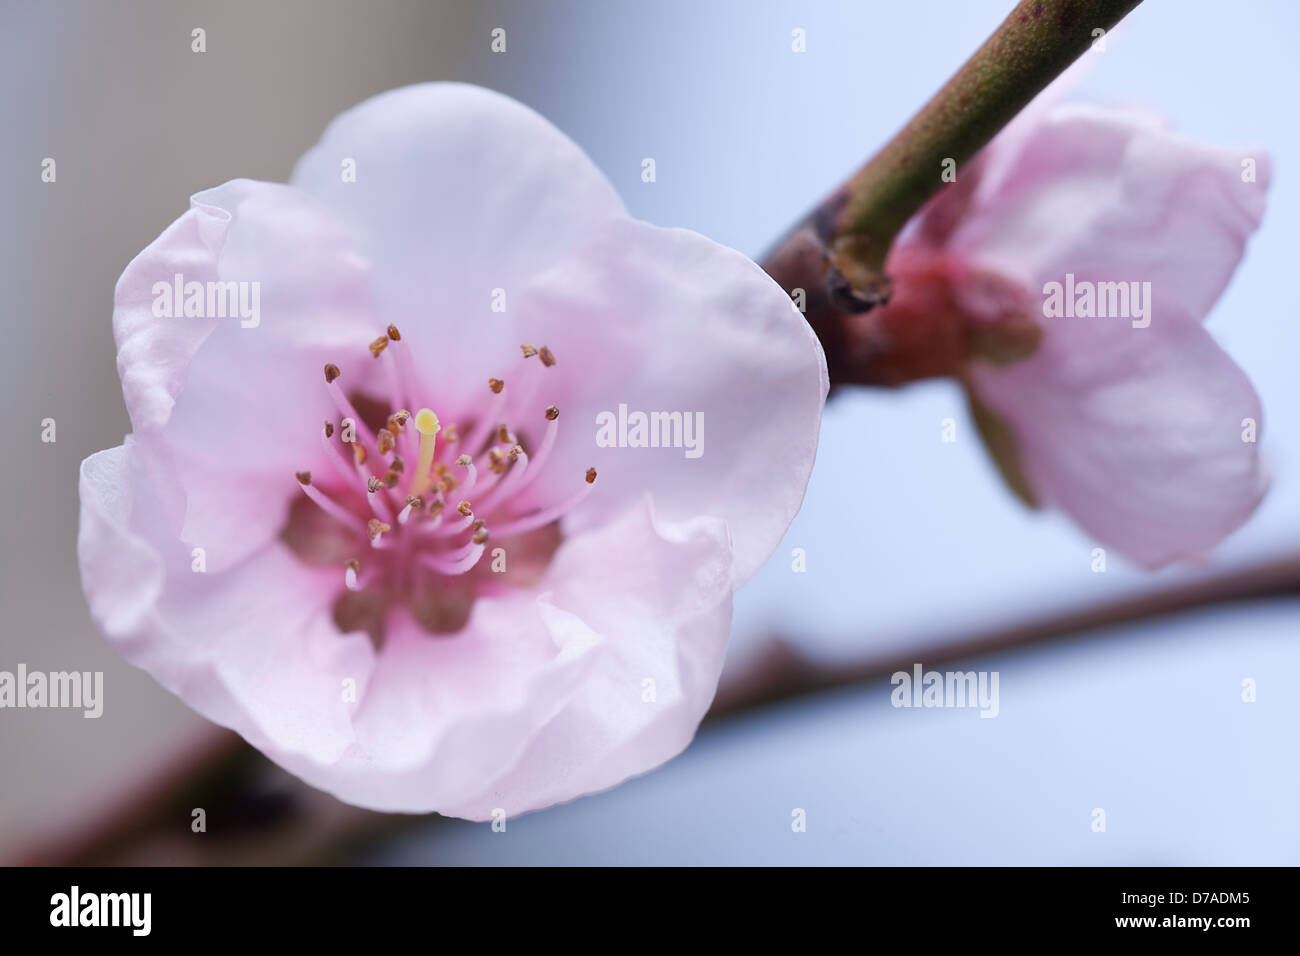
x,y
426,423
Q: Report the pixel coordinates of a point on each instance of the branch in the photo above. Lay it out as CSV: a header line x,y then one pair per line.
x,y
837,254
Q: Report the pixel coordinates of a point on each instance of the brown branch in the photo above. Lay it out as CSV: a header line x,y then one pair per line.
x,y
836,255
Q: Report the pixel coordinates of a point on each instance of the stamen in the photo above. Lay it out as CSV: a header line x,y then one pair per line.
x,y
465,520
539,519
378,502
376,529
548,357
482,428
455,562
528,350
397,423
426,423
341,402
350,571
328,505
337,456
404,374
413,505
509,484
543,451
471,473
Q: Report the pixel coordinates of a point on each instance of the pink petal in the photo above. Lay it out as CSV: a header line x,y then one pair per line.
x,y
540,698
1136,433
658,622
664,320
224,414
1113,194
253,648
458,191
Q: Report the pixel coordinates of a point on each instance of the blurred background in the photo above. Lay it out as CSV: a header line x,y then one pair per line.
x,y
1119,691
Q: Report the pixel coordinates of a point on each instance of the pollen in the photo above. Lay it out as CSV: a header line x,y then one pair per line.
x,y
399,515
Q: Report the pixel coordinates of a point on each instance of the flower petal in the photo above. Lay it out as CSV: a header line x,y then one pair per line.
x,y
253,648
1113,194
224,413
1136,433
458,191
659,619
667,321
541,697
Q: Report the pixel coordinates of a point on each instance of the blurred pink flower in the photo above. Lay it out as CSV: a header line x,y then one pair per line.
x,y
453,612
1134,425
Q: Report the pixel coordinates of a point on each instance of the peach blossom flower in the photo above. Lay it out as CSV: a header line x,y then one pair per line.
x,y
373,531
1133,424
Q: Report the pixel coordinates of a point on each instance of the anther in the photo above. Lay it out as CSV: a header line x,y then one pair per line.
x,y
304,477
329,429
393,334
331,372
548,357
375,528
496,385
378,345
373,484
552,413
385,440
528,350
359,454
465,510
591,476
351,569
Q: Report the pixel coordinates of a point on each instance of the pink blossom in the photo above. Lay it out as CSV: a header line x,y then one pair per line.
x,y
473,605
1136,430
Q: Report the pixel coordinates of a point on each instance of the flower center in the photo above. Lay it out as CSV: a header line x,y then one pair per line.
x,y
409,505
